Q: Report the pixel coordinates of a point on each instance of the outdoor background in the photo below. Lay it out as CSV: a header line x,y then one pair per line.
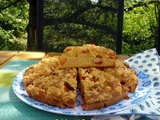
x,y
140,26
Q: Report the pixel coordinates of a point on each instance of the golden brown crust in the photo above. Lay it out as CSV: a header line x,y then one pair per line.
x,y
104,80
98,87
127,76
87,56
52,85
101,104
43,68
119,63
116,99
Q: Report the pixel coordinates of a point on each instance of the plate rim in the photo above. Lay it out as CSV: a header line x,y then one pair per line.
x,y
85,113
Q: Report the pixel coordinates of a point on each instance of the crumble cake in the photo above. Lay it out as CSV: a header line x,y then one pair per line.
x,y
99,89
44,67
103,79
126,75
88,55
47,83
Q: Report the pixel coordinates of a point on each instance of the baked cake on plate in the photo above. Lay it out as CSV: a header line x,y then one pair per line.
x,y
101,78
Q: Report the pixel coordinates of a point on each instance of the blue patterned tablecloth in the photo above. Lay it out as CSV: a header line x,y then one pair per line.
x,y
148,62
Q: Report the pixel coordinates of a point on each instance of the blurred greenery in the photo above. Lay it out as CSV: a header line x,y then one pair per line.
x,y
13,22
140,26
140,29
79,22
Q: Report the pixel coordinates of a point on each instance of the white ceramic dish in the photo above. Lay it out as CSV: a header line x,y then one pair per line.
x,y
141,93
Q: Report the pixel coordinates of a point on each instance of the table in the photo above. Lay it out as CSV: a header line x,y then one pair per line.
x,y
12,108
7,56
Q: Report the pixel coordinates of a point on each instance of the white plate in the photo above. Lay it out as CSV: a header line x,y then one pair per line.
x,y
141,93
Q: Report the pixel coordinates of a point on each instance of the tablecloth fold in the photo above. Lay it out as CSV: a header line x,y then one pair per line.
x,y
148,62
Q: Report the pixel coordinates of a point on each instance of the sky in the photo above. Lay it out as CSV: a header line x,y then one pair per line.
x,y
94,1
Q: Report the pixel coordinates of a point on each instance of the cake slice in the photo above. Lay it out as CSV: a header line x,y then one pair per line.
x,y
47,83
43,68
88,55
119,63
126,75
99,89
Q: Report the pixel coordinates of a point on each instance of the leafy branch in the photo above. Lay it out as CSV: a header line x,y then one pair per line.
x,y
140,4
10,4
73,18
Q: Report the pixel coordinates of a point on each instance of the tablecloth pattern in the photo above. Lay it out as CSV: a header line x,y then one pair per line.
x,y
12,108
149,63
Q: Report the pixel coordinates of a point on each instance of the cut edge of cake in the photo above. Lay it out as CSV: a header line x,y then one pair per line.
x,y
99,89
88,55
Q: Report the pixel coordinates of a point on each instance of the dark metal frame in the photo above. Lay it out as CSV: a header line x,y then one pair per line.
x,y
40,24
120,26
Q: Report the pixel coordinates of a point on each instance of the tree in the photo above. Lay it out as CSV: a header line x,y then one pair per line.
x,y
140,26
76,22
7,4
13,18
32,26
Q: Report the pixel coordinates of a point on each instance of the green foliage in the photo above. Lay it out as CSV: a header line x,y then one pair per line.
x,y
140,29
13,21
140,26
77,22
